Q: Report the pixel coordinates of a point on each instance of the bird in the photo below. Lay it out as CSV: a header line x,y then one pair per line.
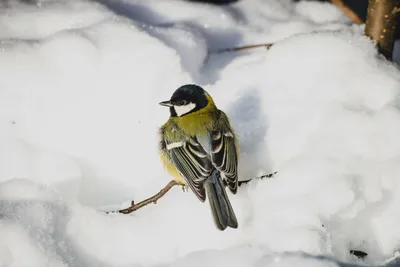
x,y
198,147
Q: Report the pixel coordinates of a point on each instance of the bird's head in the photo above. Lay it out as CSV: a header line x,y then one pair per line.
x,y
188,99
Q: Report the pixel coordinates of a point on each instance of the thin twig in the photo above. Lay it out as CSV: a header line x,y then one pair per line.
x,y
347,11
261,177
149,200
267,46
168,187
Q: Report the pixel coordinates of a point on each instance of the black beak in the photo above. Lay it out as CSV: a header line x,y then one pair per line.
x,y
166,103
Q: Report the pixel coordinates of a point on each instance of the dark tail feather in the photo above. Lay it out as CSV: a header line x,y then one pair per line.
x,y
221,208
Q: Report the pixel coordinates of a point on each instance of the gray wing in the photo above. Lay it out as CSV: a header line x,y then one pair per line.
x,y
193,163
224,157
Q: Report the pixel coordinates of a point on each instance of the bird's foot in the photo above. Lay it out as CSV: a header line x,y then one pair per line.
x,y
185,188
182,185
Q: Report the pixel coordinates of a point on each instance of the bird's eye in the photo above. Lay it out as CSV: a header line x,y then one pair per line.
x,y
182,102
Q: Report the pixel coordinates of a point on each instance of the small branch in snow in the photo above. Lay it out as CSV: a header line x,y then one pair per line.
x,y
168,187
152,199
347,11
239,48
261,177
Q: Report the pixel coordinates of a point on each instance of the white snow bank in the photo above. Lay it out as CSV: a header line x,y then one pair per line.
x,y
251,256
77,108
187,26
48,232
44,18
79,114
332,125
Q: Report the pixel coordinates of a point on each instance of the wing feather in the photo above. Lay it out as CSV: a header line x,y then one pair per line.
x,y
224,157
194,164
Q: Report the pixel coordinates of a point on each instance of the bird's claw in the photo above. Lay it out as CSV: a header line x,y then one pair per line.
x,y
184,188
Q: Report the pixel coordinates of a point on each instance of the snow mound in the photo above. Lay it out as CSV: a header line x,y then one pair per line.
x,y
80,88
331,126
39,20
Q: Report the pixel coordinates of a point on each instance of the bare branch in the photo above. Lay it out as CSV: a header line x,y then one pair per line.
x,y
246,47
168,187
152,199
347,11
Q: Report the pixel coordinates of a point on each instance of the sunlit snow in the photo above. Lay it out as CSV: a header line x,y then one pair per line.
x,y
79,91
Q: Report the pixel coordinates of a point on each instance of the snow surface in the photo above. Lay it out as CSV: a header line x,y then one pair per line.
x,y
79,114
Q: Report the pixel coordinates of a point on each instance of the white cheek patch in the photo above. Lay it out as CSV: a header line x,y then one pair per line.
x,y
182,110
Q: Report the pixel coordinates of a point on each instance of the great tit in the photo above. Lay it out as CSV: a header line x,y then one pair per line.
x,y
198,148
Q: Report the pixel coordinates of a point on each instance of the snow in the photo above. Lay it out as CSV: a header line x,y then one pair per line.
x,y
79,114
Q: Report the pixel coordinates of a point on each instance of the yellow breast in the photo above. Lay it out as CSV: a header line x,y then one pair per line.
x,y
170,167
